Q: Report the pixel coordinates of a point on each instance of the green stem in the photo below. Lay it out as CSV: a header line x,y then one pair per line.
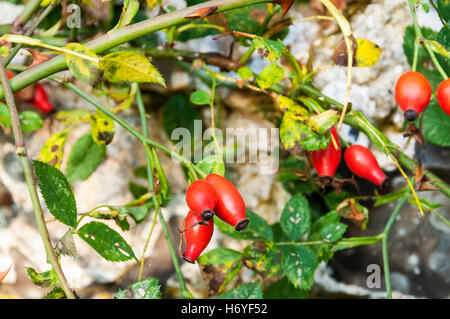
x,y
427,46
387,228
21,151
121,36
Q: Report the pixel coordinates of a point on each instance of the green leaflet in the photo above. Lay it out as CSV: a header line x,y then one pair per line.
x,y
57,193
106,241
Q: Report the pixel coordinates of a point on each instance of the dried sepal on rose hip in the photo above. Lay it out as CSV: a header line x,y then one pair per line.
x,y
362,163
412,93
201,198
198,234
230,206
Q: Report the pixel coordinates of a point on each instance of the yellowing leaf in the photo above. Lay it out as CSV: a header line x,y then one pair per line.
x,y
53,150
288,105
129,66
102,128
438,48
82,69
297,136
367,53
69,117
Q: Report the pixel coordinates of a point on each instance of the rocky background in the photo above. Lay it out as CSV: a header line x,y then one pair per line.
x,y
419,247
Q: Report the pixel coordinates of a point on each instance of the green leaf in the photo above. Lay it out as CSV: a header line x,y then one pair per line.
x,y
272,74
288,105
270,49
245,291
53,150
30,121
200,97
245,73
218,267
263,257
436,125
212,164
438,48
55,293
299,264
296,217
56,192
84,158
257,228
148,288
129,66
323,122
5,119
44,279
240,19
82,69
319,231
102,128
283,289
106,241
129,10
297,136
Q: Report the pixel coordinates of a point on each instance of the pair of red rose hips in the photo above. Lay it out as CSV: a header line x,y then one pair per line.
x,y
215,195
413,93
359,159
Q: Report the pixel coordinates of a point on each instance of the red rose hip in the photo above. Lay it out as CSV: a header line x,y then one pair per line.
x,y
197,236
443,95
412,93
230,206
362,163
327,161
201,198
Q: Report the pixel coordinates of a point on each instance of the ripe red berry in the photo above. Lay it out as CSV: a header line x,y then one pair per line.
x,y
412,93
327,161
362,163
230,205
201,198
197,236
443,95
40,99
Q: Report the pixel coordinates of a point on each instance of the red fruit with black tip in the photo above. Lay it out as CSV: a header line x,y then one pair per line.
x,y
443,95
326,161
197,236
230,206
412,93
362,163
40,99
201,198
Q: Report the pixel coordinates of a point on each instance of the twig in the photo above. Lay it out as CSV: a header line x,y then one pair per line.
x,y
27,170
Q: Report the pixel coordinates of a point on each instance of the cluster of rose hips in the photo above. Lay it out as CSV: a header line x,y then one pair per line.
x,y
413,93
359,160
38,99
215,195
